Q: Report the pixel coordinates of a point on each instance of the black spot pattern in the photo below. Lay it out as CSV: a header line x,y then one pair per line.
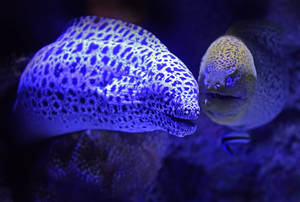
x,y
110,75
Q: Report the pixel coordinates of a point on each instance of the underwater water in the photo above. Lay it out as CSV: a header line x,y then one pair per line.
x,y
158,154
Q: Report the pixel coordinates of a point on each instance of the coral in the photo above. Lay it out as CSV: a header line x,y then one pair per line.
x,y
294,73
286,13
100,165
267,169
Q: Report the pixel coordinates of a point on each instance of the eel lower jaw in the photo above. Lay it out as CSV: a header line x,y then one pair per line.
x,y
222,107
179,127
214,114
185,118
183,127
221,96
185,122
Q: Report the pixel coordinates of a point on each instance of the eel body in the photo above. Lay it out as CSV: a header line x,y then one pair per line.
x,y
106,74
243,81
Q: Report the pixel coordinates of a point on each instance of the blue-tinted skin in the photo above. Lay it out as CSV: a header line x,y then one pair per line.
x,y
107,74
235,104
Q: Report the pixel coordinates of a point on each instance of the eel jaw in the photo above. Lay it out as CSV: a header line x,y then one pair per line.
x,y
223,107
186,122
221,96
180,127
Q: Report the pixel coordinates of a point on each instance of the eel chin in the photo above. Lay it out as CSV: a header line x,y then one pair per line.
x,y
223,107
220,96
184,122
180,127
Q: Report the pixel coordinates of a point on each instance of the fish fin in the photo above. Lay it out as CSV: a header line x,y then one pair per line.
x,y
233,138
228,150
108,29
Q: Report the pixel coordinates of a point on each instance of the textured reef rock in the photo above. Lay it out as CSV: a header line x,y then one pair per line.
x,y
286,13
267,169
294,73
98,165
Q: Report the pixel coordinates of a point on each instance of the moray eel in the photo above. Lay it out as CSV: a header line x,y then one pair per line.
x,y
243,82
107,74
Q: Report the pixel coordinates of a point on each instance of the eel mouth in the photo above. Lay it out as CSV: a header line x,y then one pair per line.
x,y
215,114
181,127
223,107
183,121
221,96
184,118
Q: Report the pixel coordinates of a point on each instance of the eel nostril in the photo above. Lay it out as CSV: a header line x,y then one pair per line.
x,y
217,85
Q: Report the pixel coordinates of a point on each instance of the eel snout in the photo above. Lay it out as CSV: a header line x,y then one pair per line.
x,y
185,119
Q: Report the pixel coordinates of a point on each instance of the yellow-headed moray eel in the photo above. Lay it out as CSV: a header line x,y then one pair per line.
x,y
106,74
243,82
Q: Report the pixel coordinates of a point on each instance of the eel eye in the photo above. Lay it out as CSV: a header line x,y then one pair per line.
x,y
229,81
217,85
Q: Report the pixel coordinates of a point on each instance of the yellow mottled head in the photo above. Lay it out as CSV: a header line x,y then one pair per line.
x,y
227,80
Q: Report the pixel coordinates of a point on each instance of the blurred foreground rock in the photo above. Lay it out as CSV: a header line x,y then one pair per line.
x,y
98,166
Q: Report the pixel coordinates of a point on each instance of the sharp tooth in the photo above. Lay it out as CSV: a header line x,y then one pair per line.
x,y
205,101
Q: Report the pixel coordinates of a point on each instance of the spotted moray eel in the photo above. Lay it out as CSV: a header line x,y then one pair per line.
x,y
106,74
243,80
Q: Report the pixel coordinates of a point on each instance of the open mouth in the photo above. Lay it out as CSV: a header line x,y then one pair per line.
x,y
215,95
179,127
215,114
218,104
186,122
182,127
